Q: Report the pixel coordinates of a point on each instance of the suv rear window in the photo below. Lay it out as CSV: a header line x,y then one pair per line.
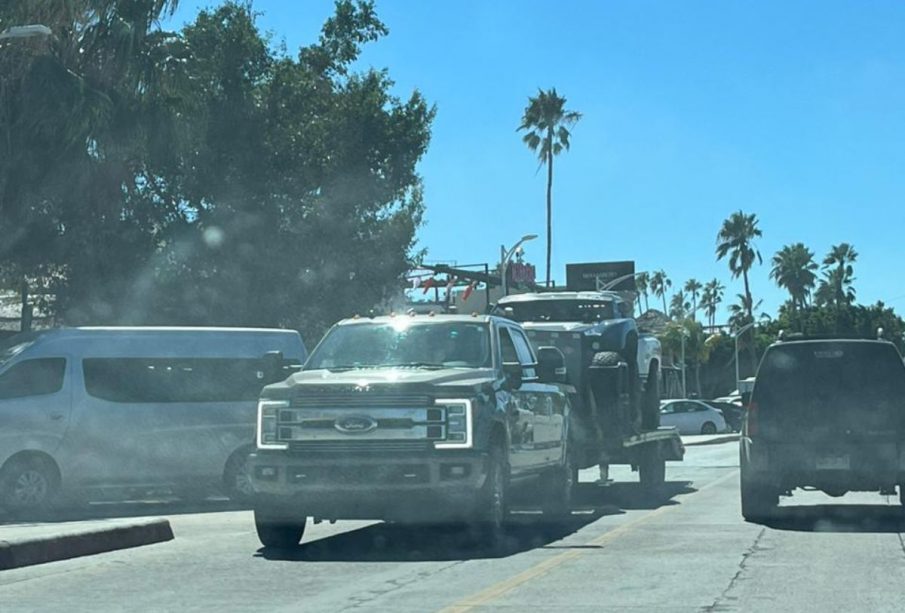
x,y
836,384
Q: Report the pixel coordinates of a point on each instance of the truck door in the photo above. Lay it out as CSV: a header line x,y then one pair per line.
x,y
519,416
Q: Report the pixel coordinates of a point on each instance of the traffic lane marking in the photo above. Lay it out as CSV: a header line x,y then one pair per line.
x,y
502,588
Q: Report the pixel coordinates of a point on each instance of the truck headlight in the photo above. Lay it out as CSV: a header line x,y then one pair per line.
x,y
268,415
458,424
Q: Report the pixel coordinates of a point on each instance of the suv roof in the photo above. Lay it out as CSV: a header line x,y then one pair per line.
x,y
424,319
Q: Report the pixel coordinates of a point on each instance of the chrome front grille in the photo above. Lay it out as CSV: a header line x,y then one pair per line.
x,y
366,399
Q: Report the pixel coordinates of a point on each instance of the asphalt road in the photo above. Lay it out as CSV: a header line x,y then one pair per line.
x,y
688,551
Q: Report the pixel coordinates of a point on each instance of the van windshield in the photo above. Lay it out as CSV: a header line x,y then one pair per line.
x,y
808,388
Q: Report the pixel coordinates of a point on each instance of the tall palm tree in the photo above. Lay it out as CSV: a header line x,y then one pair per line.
x,y
836,286
642,283
712,297
659,285
693,287
546,123
736,240
794,270
678,306
740,313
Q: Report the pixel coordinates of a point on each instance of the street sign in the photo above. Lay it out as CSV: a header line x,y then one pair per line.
x,y
594,276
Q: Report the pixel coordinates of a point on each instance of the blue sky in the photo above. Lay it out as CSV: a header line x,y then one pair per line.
x,y
791,110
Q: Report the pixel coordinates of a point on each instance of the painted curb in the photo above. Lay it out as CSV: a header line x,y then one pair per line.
x,y
714,441
26,552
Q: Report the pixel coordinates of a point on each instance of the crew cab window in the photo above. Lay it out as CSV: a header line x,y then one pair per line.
x,y
515,345
33,378
507,347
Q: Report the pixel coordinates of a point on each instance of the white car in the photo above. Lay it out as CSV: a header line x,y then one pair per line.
x,y
692,417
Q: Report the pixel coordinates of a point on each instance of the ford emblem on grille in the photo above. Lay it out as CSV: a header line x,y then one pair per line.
x,y
355,424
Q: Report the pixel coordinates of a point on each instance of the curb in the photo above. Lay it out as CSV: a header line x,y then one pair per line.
x,y
28,551
714,441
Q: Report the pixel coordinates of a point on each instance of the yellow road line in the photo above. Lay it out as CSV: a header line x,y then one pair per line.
x,y
542,568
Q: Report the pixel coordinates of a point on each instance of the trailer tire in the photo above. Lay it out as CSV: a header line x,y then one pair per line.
x,y
557,487
652,470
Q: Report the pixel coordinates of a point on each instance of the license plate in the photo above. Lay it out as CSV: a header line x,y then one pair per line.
x,y
840,462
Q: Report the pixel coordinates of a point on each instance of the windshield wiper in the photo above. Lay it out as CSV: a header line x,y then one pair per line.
x,y
411,365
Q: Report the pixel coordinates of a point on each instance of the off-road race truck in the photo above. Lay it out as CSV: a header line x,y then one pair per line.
x,y
413,418
613,376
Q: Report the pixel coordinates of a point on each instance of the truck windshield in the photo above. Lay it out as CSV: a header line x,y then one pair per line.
x,y
561,310
403,344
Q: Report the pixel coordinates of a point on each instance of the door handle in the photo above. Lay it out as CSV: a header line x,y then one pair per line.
x,y
56,416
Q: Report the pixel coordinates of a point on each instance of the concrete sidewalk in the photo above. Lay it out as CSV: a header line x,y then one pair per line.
x,y
709,439
27,544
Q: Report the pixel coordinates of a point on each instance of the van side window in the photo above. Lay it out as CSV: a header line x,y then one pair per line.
x,y
174,380
33,378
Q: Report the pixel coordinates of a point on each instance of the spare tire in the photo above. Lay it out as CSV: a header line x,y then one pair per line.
x,y
606,359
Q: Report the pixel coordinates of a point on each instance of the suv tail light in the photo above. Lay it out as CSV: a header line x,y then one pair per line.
x,y
752,419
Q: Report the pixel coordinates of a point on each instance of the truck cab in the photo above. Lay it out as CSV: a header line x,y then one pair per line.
x,y
414,418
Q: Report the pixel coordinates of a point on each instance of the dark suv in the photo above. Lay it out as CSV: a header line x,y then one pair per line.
x,y
826,414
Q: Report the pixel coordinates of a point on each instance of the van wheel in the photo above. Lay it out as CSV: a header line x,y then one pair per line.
x,y
278,532
236,481
708,428
28,485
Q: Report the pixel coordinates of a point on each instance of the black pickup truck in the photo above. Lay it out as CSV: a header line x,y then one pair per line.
x,y
413,418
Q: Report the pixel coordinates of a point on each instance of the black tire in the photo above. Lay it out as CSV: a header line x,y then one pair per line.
x,y
708,428
650,408
652,470
606,359
237,483
759,502
493,509
557,488
277,532
902,495
29,486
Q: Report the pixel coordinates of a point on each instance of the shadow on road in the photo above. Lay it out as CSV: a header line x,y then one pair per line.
x,y
124,509
527,530
839,518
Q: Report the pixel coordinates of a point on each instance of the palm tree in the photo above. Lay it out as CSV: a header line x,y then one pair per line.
x,y
794,270
693,287
678,306
642,282
712,297
740,313
659,285
736,239
546,123
836,286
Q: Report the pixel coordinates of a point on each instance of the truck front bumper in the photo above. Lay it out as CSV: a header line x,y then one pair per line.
x,y
431,487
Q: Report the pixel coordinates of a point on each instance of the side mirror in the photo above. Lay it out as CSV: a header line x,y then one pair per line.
x,y
513,373
746,399
551,365
273,367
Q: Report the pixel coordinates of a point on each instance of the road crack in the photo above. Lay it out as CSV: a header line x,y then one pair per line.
x,y
720,603
392,585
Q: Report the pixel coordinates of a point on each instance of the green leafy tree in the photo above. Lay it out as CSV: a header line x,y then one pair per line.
x,y
693,288
794,270
659,285
546,123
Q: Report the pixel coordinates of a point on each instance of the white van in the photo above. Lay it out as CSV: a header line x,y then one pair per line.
x,y
86,408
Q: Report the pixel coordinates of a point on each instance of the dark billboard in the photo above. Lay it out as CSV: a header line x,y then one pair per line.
x,y
594,276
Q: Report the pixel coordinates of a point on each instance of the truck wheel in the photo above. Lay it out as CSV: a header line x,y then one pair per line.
x,y
28,486
278,532
606,359
759,502
650,407
652,470
236,482
902,495
557,488
493,510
